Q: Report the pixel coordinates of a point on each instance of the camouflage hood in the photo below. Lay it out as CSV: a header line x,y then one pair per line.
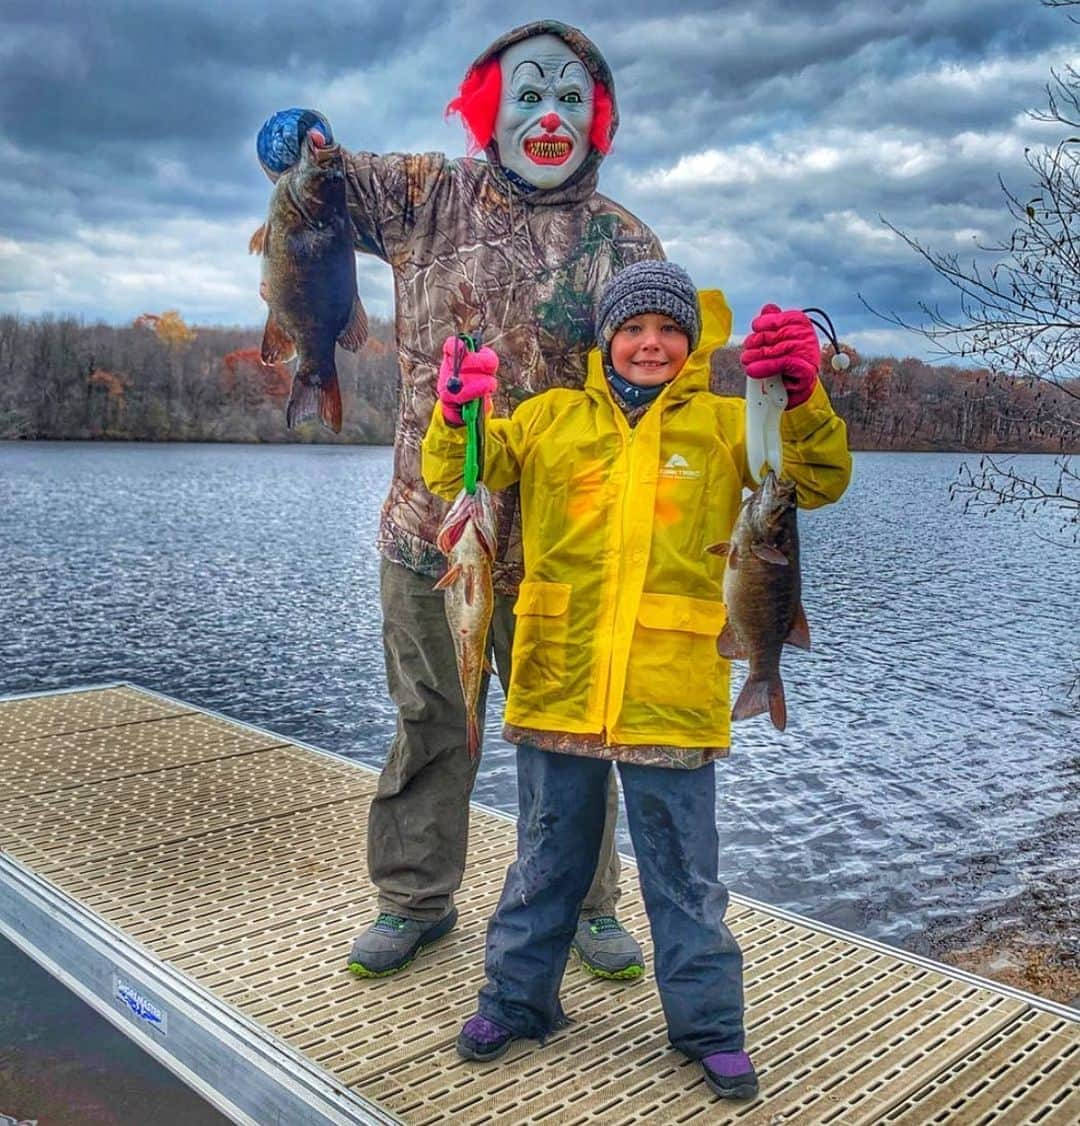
x,y
472,253
583,182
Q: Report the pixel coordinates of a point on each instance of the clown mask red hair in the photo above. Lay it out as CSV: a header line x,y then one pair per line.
x,y
541,105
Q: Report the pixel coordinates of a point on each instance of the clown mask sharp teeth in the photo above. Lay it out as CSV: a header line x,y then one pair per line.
x,y
543,81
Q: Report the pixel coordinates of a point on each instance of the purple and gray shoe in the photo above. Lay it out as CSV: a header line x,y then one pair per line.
x,y
482,1039
731,1075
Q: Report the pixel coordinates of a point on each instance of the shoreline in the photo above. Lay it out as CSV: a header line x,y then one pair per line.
x,y
318,439
1049,971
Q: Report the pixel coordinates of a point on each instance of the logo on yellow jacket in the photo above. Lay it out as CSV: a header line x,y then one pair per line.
x,y
678,466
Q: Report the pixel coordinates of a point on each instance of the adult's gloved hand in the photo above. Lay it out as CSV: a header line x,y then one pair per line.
x,y
464,376
282,134
784,343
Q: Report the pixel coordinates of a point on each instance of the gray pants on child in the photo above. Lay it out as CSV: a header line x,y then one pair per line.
x,y
418,826
672,816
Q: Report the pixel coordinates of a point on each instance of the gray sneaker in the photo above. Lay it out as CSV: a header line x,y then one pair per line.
x,y
607,949
393,941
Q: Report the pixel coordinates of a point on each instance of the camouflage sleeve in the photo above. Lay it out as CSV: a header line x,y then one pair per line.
x,y
654,248
636,242
387,197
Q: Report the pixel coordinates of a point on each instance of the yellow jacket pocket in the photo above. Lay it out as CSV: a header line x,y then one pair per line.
x,y
540,639
673,659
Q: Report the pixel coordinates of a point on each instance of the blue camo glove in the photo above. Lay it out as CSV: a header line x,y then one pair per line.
x,y
282,134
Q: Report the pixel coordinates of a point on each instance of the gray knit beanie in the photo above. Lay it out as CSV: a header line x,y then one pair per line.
x,y
648,287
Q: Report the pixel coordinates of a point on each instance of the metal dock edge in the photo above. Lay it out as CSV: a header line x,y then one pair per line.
x,y
249,1075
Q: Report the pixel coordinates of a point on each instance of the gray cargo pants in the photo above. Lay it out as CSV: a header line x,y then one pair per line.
x,y
418,826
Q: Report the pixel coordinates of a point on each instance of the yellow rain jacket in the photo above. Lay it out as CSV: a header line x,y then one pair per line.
x,y
621,604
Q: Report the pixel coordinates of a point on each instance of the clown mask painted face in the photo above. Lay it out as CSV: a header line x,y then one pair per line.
x,y
546,111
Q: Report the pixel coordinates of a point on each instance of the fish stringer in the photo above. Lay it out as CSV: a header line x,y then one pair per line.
x,y
766,401
472,414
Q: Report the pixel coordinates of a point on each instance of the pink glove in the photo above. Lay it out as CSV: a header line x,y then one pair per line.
x,y
783,343
464,376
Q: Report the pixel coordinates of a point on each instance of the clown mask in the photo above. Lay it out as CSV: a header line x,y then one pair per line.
x,y
546,111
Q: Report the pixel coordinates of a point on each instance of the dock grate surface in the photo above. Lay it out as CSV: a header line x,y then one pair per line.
x,y
239,858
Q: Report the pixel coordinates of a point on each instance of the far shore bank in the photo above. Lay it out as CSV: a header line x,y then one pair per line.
x,y
325,440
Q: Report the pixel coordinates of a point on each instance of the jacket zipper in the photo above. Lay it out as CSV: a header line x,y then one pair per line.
x,y
628,442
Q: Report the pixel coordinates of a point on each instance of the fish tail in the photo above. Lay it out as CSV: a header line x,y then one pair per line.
x,y
312,399
472,737
762,694
303,403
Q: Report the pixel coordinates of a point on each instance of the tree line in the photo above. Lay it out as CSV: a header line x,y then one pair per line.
x,y
160,380
908,404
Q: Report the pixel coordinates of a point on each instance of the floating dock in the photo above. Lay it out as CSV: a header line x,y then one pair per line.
x,y
198,882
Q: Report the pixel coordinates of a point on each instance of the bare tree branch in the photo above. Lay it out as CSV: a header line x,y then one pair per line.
x,y
1017,311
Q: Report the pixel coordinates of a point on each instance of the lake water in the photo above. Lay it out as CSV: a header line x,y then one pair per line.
x,y
927,788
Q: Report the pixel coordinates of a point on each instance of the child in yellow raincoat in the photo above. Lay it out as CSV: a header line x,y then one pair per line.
x,y
624,486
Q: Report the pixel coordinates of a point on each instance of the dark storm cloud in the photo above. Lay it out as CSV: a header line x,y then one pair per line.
x,y
744,69
763,140
121,109
77,76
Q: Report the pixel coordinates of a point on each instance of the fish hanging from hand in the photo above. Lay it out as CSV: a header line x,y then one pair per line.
x,y
763,593
467,539
309,280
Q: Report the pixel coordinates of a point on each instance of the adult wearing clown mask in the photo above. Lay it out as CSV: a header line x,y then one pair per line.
x,y
515,250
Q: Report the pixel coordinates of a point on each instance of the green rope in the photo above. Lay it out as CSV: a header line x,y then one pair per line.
x,y
473,417
469,413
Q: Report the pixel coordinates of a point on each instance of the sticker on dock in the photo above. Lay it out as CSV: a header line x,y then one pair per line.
x,y
140,1007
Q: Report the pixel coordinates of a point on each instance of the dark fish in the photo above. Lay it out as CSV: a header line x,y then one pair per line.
x,y
763,593
309,280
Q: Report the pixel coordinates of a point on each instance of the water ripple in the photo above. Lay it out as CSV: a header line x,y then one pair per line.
x,y
929,774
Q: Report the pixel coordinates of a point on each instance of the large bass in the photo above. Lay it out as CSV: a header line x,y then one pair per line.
x,y
309,280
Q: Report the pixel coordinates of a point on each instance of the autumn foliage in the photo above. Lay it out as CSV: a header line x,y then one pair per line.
x,y
160,380
243,367
113,385
169,326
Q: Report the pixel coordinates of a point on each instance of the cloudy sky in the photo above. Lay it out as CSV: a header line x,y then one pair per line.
x,y
763,140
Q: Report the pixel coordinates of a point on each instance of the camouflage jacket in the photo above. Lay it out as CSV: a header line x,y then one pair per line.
x,y
472,252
